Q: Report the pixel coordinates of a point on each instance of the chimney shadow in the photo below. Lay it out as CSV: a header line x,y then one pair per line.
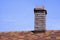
x,y
35,31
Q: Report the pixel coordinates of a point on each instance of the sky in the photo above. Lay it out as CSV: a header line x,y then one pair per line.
x,y
18,15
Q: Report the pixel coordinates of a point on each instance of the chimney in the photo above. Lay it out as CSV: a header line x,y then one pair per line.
x,y
40,19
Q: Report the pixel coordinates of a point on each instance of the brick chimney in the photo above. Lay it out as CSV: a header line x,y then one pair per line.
x,y
40,18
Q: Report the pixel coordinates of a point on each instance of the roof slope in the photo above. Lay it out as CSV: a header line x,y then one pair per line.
x,y
48,35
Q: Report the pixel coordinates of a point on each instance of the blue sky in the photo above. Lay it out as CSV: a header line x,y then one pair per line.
x,y
18,15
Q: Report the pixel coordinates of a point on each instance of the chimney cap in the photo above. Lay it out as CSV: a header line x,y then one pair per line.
x,y
39,8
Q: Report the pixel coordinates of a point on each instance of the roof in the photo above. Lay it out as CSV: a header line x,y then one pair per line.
x,y
48,35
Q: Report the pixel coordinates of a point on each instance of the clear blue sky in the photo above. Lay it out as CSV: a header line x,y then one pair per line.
x,y
18,15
